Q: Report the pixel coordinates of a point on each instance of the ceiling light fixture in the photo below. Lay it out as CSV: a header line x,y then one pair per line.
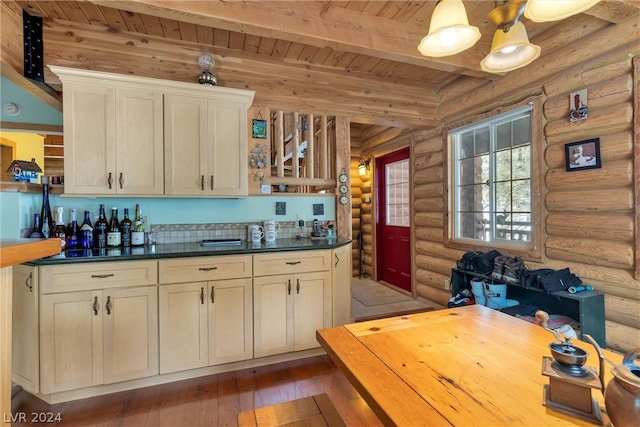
x,y
207,63
450,32
547,10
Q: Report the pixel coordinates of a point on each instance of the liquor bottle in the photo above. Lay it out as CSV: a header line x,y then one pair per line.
x,y
73,231
46,220
137,232
35,231
114,235
86,232
125,228
60,230
100,230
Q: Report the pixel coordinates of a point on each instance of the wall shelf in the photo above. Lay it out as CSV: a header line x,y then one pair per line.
x,y
26,187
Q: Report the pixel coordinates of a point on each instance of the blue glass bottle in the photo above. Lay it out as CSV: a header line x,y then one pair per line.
x,y
86,232
46,219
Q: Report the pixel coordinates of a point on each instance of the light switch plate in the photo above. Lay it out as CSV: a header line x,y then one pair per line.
x,y
265,189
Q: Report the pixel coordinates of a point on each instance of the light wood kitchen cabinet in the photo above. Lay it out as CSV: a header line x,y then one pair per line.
x,y
205,145
208,321
289,308
341,285
96,326
25,329
113,135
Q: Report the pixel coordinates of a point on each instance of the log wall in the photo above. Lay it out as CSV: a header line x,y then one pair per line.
x,y
590,221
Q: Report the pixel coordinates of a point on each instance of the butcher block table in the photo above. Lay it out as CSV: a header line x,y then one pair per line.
x,y
14,252
463,366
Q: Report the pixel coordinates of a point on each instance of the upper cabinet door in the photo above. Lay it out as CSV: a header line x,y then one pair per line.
x,y
139,142
185,150
89,139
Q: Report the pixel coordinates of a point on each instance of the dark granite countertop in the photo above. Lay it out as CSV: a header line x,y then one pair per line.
x,y
183,250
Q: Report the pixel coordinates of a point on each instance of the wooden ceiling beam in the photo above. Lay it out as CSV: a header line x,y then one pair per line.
x,y
36,89
315,23
615,11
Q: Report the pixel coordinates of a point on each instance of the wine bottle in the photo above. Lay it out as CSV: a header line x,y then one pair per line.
x,y
114,235
73,231
137,232
86,232
100,230
125,228
35,231
60,230
46,219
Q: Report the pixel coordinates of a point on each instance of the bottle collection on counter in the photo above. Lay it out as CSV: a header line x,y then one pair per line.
x,y
104,234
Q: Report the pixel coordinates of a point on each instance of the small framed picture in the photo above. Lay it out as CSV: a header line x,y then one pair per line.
x,y
259,129
583,155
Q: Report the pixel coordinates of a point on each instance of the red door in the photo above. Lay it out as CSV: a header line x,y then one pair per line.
x,y
393,244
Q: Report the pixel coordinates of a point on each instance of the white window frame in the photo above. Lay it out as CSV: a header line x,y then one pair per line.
x,y
531,249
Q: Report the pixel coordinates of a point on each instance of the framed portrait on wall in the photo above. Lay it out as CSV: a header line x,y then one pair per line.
x,y
582,155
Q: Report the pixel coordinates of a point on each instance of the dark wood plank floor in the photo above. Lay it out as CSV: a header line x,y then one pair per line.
x,y
213,400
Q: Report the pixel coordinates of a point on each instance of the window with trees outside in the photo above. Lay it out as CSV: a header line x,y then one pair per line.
x,y
493,179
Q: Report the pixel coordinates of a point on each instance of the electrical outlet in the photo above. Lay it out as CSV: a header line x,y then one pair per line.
x,y
447,284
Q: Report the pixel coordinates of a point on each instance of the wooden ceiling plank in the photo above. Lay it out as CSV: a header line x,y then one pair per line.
x,y
614,11
251,43
321,56
133,21
94,14
280,48
312,23
204,35
72,11
235,40
152,25
170,28
267,45
221,38
34,8
294,51
114,18
188,32
307,54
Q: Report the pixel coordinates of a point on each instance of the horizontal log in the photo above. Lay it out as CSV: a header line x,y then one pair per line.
x,y
356,192
612,147
437,250
426,146
596,226
428,160
613,119
612,91
366,186
577,77
433,189
367,229
428,219
431,286
426,176
429,233
366,208
622,310
434,264
621,337
611,200
598,252
367,218
431,204
284,180
617,173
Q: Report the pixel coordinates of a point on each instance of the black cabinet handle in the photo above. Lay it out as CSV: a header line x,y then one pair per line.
x,y
297,286
213,295
202,295
212,182
293,262
95,306
207,268
121,180
101,276
289,287
108,305
109,180
29,282
337,260
202,182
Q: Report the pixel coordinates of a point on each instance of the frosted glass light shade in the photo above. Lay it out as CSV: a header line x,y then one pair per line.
x,y
555,10
449,31
510,51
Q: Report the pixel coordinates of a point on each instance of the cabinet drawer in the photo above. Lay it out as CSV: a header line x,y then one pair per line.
x,y
182,270
82,277
291,262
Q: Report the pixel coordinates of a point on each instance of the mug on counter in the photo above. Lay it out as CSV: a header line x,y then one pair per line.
x,y
254,233
270,228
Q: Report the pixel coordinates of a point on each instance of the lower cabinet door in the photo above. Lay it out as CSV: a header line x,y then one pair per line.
x,y
230,321
130,319
311,308
71,345
183,326
273,314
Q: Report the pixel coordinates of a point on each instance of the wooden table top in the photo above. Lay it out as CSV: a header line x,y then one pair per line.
x,y
463,366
